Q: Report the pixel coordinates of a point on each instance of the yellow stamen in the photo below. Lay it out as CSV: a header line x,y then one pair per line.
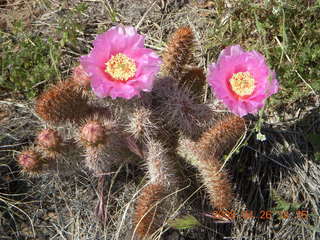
x,y
242,84
121,67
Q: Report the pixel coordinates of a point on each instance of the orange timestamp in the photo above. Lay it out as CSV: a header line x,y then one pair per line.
x,y
231,215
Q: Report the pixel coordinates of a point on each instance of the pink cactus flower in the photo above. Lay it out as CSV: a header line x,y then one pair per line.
x,y
242,80
119,65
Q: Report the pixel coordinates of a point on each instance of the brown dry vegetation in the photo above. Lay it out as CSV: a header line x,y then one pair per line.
x,y
282,172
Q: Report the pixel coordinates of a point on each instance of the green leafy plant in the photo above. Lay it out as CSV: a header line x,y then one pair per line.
x,y
184,222
27,61
69,25
283,205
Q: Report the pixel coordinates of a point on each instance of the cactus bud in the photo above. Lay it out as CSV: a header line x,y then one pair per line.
x,y
92,133
49,139
29,161
80,77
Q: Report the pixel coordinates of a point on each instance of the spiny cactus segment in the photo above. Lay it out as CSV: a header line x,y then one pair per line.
x,y
216,141
147,216
179,52
61,103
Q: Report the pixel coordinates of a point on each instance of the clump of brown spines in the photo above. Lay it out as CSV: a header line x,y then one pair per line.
x,y
62,102
30,161
217,182
222,137
178,52
215,142
147,216
194,79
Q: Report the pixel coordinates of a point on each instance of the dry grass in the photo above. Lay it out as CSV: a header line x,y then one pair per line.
x,y
60,207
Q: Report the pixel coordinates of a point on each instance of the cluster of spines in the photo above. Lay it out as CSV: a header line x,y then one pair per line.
x,y
180,110
194,79
164,179
142,126
161,164
62,102
178,52
148,210
215,142
180,92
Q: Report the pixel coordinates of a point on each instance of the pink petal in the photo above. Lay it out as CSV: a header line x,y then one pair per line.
x,y
234,50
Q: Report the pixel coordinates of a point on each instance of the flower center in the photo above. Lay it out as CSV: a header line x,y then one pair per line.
x,y
121,67
242,84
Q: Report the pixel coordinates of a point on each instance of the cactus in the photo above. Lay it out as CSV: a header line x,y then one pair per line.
x,y
179,52
62,102
146,218
149,128
219,139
